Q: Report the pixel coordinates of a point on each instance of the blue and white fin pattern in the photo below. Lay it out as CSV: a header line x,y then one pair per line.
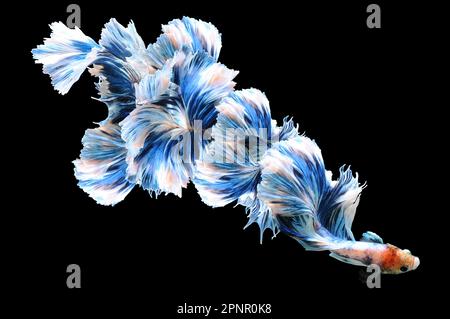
x,y
157,94
121,64
195,35
155,132
292,184
347,260
233,172
101,168
338,206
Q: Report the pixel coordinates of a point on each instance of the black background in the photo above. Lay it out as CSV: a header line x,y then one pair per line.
x,y
359,92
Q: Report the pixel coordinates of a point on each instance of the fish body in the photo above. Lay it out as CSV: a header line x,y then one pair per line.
x,y
156,97
390,259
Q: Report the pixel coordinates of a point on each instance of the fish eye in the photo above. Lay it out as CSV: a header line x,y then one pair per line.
x,y
403,268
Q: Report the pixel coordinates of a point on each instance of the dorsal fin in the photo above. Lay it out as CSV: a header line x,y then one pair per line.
x,y
338,204
371,237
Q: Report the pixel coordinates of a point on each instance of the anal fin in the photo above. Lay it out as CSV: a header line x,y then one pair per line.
x,y
347,260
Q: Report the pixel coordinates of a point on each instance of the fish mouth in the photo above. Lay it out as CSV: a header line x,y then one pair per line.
x,y
416,263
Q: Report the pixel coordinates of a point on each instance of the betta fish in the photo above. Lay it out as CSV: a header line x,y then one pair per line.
x,y
171,108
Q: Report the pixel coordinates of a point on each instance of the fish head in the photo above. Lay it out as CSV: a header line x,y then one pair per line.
x,y
398,261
